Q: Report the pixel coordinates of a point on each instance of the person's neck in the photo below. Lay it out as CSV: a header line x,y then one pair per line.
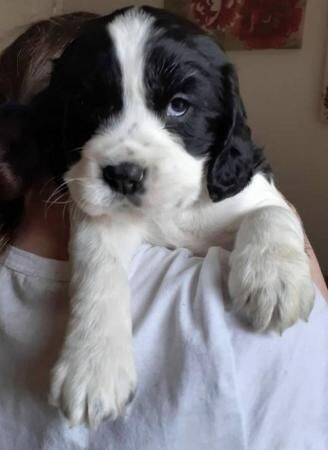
x,y
44,229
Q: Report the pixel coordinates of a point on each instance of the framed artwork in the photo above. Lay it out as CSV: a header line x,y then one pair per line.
x,y
247,24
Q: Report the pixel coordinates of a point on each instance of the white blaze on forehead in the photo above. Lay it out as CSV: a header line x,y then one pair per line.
x,y
130,33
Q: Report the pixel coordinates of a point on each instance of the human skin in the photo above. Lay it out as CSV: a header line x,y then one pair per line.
x,y
44,230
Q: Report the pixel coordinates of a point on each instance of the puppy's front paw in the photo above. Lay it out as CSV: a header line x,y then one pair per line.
x,y
271,288
90,385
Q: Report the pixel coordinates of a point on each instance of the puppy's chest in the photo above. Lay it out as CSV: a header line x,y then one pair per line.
x,y
196,229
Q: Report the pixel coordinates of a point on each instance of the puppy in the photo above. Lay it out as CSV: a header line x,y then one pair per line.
x,y
144,122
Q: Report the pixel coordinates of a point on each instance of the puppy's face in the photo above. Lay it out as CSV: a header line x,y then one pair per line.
x,y
140,106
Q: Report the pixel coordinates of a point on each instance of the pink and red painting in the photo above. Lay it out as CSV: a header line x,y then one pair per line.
x,y
247,24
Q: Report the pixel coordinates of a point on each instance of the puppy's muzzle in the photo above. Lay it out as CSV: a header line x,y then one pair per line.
x,y
125,178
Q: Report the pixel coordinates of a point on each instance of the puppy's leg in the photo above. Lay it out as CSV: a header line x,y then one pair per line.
x,y
95,376
270,282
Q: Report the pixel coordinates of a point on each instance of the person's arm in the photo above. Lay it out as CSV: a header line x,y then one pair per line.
x,y
317,275
316,272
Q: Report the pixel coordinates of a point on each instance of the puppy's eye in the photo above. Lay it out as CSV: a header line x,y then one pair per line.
x,y
177,107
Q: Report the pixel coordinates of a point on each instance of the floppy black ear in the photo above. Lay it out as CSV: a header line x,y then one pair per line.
x,y
234,158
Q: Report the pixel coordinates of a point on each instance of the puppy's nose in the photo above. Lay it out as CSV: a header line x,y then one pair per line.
x,y
126,178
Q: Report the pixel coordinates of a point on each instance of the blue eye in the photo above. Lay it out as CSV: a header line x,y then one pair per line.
x,y
177,107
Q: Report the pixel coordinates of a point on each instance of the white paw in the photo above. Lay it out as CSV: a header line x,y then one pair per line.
x,y
92,385
271,288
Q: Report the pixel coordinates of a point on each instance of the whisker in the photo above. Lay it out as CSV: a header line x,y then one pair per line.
x,y
50,180
63,185
80,179
56,191
60,195
56,199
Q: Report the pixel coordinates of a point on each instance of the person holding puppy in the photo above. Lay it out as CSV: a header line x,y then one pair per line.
x,y
205,381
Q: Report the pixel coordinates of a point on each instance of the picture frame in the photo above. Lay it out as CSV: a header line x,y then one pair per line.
x,y
247,24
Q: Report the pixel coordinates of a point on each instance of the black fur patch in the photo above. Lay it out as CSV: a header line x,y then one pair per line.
x,y
85,93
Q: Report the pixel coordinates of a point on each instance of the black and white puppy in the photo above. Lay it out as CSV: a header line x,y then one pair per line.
x,y
144,122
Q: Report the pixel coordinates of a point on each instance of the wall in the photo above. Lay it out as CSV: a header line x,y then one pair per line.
x,y
282,93
15,14
281,90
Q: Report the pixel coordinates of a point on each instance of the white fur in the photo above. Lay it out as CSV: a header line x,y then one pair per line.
x,y
270,283
95,375
138,136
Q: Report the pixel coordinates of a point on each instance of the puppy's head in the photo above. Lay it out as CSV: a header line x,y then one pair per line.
x,y
143,111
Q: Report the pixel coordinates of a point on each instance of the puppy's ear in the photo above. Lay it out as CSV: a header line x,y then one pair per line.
x,y
234,157
17,154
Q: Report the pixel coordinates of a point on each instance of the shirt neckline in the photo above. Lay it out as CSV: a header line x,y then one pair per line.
x,y
33,265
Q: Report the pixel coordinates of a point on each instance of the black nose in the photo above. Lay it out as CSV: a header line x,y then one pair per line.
x,y
126,178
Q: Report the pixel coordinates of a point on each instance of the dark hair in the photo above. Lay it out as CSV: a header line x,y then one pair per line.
x,y
25,68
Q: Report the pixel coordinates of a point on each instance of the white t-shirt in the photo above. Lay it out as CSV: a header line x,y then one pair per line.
x,y
205,382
